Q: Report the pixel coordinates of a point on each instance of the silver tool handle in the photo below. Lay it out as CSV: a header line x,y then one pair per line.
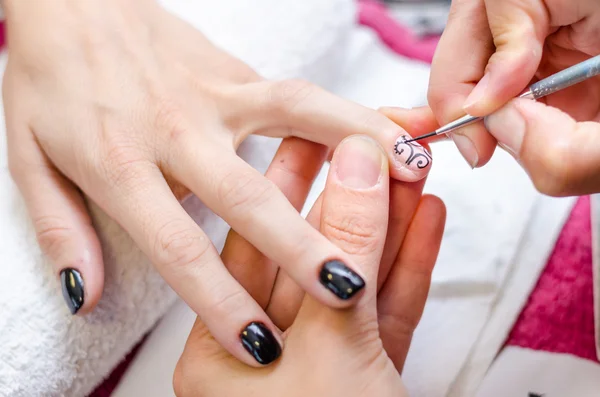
x,y
568,77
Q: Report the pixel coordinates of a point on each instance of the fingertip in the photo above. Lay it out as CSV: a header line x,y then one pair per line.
x,y
434,208
411,161
508,74
416,121
82,276
262,342
344,284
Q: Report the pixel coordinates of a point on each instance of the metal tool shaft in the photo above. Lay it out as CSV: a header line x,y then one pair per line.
x,y
557,82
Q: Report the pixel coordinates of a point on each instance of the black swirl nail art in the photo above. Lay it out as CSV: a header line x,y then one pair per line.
x,y
412,152
340,279
72,289
260,343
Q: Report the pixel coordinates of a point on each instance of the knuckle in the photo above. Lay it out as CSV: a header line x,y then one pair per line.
x,y
402,324
225,301
357,234
364,336
123,164
53,234
241,192
285,95
180,247
170,118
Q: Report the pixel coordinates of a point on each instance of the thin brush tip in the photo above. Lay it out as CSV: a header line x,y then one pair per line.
x,y
431,134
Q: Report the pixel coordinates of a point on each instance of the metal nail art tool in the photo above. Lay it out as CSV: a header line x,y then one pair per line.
x,y
557,82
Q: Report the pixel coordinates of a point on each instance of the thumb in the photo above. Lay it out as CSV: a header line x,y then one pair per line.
x,y
561,155
519,29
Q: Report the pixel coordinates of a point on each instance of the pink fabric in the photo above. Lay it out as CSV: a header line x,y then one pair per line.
x,y
398,38
2,35
559,315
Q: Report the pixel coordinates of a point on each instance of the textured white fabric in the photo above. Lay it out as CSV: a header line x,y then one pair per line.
x,y
520,372
44,351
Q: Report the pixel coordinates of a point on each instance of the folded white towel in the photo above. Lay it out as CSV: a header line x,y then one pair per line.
x,y
46,352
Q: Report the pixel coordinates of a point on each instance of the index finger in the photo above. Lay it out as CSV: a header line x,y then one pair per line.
x,y
459,63
309,112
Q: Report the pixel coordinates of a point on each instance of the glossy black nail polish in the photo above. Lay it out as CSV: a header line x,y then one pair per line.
x,y
340,280
72,289
260,342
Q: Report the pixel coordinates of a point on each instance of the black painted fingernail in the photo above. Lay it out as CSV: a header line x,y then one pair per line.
x,y
260,342
340,279
72,289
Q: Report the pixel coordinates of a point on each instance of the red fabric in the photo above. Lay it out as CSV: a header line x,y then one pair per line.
x,y
398,38
559,314
110,384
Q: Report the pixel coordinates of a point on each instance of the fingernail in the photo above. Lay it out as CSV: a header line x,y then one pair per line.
x,y
478,93
508,127
467,149
359,162
259,341
412,155
72,289
340,279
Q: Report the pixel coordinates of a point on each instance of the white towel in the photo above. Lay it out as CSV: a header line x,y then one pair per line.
x,y
44,351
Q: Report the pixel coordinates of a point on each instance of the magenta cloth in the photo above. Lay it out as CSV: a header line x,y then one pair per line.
x,y
398,38
559,314
110,384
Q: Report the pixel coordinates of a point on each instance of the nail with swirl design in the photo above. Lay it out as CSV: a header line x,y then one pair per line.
x,y
412,155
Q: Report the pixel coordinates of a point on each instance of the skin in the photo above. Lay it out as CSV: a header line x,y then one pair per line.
x,y
490,52
354,352
128,105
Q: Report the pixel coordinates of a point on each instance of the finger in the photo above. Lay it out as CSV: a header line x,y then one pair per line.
x,y
62,223
356,204
293,170
354,212
402,298
259,212
459,62
145,206
404,199
561,155
519,29
287,296
319,116
416,121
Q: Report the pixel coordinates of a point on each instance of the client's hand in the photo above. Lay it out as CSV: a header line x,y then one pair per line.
x,y
355,352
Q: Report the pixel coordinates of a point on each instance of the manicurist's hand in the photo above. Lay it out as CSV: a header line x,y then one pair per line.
x,y
490,52
354,352
130,105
